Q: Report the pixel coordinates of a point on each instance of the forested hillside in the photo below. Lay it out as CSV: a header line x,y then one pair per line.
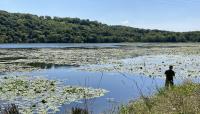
x,y
27,28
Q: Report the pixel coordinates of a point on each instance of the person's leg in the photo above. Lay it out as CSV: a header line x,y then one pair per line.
x,y
167,83
171,83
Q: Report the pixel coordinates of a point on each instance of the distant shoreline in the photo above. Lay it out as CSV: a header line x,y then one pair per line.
x,y
28,28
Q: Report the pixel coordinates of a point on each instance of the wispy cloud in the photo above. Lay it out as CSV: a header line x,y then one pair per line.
x,y
125,22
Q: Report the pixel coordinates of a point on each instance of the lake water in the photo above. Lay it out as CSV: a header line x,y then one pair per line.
x,y
122,87
61,45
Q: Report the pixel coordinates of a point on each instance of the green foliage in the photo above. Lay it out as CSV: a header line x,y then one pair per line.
x,y
27,28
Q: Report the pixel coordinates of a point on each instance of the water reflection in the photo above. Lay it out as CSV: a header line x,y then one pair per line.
x,y
49,65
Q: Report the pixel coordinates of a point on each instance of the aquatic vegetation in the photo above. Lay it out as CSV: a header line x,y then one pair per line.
x,y
37,94
137,55
154,60
5,67
185,66
70,57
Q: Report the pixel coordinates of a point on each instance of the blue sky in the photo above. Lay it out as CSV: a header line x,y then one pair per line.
x,y
173,15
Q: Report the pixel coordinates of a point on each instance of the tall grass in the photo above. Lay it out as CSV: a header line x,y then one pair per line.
x,y
181,99
78,110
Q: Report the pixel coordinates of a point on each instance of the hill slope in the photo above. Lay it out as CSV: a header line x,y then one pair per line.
x,y
27,28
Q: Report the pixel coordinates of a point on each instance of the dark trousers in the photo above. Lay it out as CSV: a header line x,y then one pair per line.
x,y
169,83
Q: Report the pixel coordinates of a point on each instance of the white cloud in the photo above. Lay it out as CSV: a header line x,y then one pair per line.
x,y
126,22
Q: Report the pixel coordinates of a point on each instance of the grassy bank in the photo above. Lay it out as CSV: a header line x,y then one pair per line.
x,y
181,99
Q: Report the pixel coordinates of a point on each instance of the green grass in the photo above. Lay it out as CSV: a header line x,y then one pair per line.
x,y
181,99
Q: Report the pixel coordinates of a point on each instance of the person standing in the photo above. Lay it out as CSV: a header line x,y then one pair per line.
x,y
169,77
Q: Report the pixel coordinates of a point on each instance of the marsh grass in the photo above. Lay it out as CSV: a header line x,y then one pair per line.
x,y
78,110
181,99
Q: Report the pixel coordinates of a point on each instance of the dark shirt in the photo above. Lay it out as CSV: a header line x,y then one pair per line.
x,y
169,74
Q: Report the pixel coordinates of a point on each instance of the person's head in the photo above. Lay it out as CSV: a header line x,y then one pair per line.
x,y
170,67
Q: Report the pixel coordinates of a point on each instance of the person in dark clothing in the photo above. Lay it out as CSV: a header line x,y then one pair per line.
x,y
169,77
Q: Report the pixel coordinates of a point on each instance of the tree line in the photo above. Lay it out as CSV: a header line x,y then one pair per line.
x,y
28,28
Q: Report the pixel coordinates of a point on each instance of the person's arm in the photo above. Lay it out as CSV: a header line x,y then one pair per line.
x,y
173,73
